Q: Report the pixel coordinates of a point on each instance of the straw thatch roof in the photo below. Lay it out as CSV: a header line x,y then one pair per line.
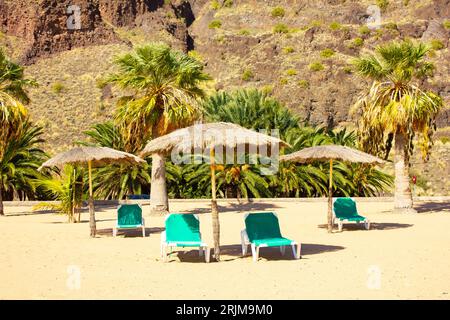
x,y
202,136
331,152
99,156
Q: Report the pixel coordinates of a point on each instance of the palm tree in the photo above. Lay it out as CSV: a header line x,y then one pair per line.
x,y
115,181
12,111
395,108
164,87
20,162
66,189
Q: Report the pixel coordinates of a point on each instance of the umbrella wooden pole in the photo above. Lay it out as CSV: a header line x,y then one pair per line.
x,y
330,200
214,209
92,224
73,195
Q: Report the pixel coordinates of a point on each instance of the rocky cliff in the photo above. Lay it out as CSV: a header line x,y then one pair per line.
x,y
300,54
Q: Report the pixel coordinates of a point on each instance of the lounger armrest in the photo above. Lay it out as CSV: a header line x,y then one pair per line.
x,y
244,237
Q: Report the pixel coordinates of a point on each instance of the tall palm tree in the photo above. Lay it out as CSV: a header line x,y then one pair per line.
x,y
13,114
164,87
395,108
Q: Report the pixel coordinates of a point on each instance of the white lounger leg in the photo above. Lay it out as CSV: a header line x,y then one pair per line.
x,y
200,251
296,250
255,252
244,242
340,223
114,232
143,231
207,254
283,250
367,224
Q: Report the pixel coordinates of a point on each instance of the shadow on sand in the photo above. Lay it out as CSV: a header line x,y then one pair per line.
x,y
129,233
432,207
236,207
373,226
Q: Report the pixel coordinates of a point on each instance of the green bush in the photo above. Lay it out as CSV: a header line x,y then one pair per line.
x,y
327,53
437,44
288,50
228,3
364,30
280,28
335,26
284,81
278,12
357,42
291,72
446,24
244,32
303,84
247,75
215,5
348,69
267,89
57,87
383,4
316,66
391,26
215,24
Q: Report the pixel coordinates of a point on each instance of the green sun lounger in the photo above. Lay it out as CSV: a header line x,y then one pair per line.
x,y
344,210
129,216
263,230
182,230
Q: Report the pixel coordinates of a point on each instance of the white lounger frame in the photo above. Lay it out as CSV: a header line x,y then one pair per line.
x,y
245,242
167,247
116,227
340,222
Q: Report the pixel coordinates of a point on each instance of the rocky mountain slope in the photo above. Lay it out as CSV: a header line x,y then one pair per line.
x,y
297,49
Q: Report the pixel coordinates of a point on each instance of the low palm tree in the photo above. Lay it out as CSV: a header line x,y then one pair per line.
x,y
164,86
66,189
19,164
396,108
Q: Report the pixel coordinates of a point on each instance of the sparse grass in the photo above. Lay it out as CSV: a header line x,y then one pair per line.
x,y
334,26
278,12
437,44
284,81
327,53
446,24
267,89
247,75
316,66
280,28
316,23
215,24
303,84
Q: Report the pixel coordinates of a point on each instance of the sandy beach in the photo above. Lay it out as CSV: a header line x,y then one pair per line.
x,y
402,257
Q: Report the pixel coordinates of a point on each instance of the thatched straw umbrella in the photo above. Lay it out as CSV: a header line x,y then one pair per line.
x,y
93,157
330,153
211,135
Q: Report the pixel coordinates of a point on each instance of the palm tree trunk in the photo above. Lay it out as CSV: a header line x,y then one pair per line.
x,y
403,201
2,212
214,209
159,201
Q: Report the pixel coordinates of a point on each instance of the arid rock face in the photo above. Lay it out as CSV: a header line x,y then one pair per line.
x,y
323,97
